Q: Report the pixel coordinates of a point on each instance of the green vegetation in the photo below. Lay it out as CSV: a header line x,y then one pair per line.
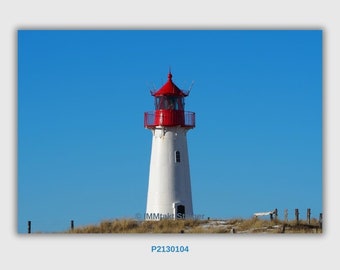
x,y
252,225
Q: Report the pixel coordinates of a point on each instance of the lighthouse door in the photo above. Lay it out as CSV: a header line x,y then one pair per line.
x,y
180,211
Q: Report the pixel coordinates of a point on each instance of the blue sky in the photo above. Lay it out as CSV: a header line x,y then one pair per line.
x,y
83,153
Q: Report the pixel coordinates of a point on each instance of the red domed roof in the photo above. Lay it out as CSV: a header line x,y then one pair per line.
x,y
169,89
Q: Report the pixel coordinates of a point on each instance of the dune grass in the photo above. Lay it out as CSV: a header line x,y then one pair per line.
x,y
251,225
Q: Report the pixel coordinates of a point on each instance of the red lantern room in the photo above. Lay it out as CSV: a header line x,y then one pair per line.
x,y
169,108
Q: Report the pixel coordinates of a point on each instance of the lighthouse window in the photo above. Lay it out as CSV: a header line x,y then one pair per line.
x,y
169,103
177,156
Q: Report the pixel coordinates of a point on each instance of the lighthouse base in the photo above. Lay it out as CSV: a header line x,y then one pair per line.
x,y
177,213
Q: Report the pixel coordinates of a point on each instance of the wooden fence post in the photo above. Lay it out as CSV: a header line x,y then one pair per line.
x,y
320,221
29,226
275,213
308,215
286,215
297,215
72,225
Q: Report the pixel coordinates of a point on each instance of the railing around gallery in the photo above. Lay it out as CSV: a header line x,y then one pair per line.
x,y
169,118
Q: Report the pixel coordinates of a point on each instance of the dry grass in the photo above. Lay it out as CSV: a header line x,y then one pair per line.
x,y
134,226
252,225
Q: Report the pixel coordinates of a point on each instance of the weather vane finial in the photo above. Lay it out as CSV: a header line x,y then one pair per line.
x,y
170,75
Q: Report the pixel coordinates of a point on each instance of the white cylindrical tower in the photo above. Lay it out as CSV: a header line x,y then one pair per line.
x,y
169,190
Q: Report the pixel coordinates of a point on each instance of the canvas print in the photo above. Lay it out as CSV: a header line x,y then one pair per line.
x,y
169,131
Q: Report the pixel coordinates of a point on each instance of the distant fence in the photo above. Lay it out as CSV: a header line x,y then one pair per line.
x,y
273,214
29,226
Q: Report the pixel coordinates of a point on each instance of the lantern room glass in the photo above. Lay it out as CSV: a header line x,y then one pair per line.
x,y
169,103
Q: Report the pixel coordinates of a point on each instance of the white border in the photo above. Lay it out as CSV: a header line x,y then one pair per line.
x,y
109,252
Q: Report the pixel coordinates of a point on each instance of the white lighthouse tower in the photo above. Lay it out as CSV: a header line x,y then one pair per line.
x,y
169,191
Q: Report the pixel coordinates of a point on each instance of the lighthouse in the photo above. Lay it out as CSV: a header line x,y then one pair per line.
x,y
169,190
